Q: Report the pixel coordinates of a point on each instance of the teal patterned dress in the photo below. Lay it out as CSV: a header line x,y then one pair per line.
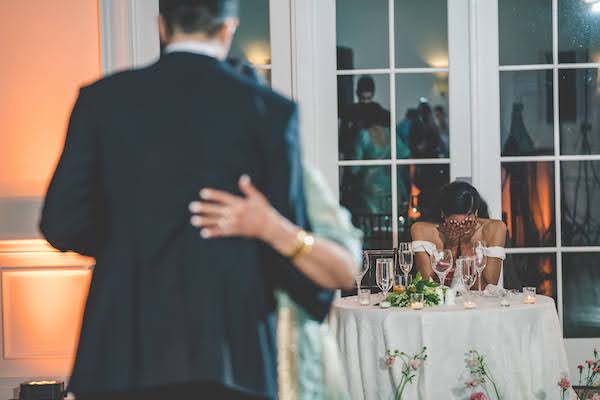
x,y
309,365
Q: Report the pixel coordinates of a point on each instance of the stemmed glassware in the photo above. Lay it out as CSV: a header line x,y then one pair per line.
x,y
360,273
469,274
405,259
441,262
384,274
479,249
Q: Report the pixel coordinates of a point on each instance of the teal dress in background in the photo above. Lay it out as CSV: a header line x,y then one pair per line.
x,y
309,365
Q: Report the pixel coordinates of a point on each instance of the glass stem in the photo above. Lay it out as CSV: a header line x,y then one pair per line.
x,y
479,281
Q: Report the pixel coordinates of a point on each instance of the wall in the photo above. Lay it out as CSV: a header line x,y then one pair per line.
x,y
49,49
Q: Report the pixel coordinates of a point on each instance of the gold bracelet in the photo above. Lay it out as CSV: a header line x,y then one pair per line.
x,y
304,247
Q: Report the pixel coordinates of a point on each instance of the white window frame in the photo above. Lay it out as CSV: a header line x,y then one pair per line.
x,y
487,166
316,81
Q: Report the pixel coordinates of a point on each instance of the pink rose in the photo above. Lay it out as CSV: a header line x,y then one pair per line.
x,y
414,364
580,367
472,384
596,370
564,383
478,396
591,363
389,361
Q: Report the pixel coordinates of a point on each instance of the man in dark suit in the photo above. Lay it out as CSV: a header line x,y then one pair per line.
x,y
169,314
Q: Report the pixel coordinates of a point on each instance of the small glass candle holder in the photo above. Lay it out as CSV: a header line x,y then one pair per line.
x,y
529,295
417,301
470,304
364,297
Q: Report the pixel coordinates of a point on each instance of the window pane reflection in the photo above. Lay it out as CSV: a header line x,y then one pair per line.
x,y
525,31
367,192
362,34
580,185
578,31
536,270
579,105
526,113
252,41
581,295
364,117
528,203
422,129
418,189
421,33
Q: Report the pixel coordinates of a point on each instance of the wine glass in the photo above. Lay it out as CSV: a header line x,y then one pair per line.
x,y
384,274
441,262
361,271
405,255
480,249
469,274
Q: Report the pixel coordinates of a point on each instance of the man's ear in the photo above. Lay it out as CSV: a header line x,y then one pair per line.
x,y
227,31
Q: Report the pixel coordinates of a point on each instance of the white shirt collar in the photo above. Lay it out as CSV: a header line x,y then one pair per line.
x,y
210,49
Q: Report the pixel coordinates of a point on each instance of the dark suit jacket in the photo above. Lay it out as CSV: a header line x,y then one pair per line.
x,y
166,306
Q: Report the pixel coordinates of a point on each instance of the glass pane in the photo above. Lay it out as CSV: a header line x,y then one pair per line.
x,y
528,203
578,31
418,189
536,270
422,110
580,185
579,92
252,41
421,33
581,295
526,113
525,31
364,117
367,193
362,34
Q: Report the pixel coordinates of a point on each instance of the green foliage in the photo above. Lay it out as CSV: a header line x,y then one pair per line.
x,y
419,285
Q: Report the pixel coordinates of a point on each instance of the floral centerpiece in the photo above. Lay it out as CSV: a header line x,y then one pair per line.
x,y
589,379
401,295
410,364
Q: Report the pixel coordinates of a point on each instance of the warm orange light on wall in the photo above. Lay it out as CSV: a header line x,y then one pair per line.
x,y
42,312
49,49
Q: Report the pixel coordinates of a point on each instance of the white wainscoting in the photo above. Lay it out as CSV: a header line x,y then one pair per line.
x,y
42,294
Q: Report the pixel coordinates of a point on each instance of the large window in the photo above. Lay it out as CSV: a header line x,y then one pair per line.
x,y
550,145
393,104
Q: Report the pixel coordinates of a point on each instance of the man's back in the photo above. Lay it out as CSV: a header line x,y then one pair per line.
x,y
166,306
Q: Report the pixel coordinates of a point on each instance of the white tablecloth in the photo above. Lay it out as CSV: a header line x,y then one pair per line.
x,y
522,344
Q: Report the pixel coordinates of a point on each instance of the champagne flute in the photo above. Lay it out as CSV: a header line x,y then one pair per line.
x,y
405,251
441,263
384,274
361,271
480,251
469,274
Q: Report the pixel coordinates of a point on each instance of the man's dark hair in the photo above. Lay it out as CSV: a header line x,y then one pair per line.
x,y
190,16
365,84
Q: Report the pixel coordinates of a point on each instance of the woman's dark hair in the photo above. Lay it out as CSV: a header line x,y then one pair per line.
x,y
461,198
190,16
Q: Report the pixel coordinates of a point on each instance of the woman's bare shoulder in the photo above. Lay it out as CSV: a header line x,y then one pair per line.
x,y
423,231
494,232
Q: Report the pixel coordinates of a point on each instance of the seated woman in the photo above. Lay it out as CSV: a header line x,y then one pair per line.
x,y
464,221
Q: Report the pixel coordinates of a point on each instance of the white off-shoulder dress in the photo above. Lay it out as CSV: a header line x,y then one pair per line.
x,y
424,246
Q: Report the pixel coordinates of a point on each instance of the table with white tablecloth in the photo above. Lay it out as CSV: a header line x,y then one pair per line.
x,y
522,345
